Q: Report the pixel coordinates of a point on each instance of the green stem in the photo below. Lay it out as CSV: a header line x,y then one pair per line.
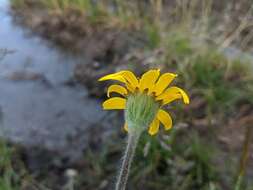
x,y
127,160
238,183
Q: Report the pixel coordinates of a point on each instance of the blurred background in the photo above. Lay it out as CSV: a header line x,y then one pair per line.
x,y
54,134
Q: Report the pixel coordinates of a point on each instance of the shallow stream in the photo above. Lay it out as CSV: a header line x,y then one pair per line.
x,y
36,104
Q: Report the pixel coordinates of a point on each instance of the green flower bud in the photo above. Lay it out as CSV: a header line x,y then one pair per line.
x,y
140,111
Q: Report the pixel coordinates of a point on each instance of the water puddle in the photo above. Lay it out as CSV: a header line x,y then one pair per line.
x,y
36,105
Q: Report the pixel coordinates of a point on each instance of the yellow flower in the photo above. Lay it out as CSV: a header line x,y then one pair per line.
x,y
151,86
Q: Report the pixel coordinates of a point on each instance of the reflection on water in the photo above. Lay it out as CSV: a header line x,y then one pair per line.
x,y
30,53
37,107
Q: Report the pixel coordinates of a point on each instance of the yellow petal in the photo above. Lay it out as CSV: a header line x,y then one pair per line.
x,y
170,98
154,127
131,78
163,82
165,119
148,79
126,127
114,103
130,87
172,94
118,89
126,77
185,96
114,76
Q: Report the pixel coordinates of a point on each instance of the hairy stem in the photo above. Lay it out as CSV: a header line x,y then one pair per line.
x,y
127,160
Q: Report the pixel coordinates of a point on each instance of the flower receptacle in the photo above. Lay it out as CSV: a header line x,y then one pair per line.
x,y
140,111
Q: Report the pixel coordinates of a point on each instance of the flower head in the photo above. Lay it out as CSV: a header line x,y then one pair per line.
x,y
144,98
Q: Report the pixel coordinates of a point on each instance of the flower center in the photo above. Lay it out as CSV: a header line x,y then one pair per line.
x,y
140,111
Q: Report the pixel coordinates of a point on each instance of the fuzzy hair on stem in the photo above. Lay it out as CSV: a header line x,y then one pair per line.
x,y
132,142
